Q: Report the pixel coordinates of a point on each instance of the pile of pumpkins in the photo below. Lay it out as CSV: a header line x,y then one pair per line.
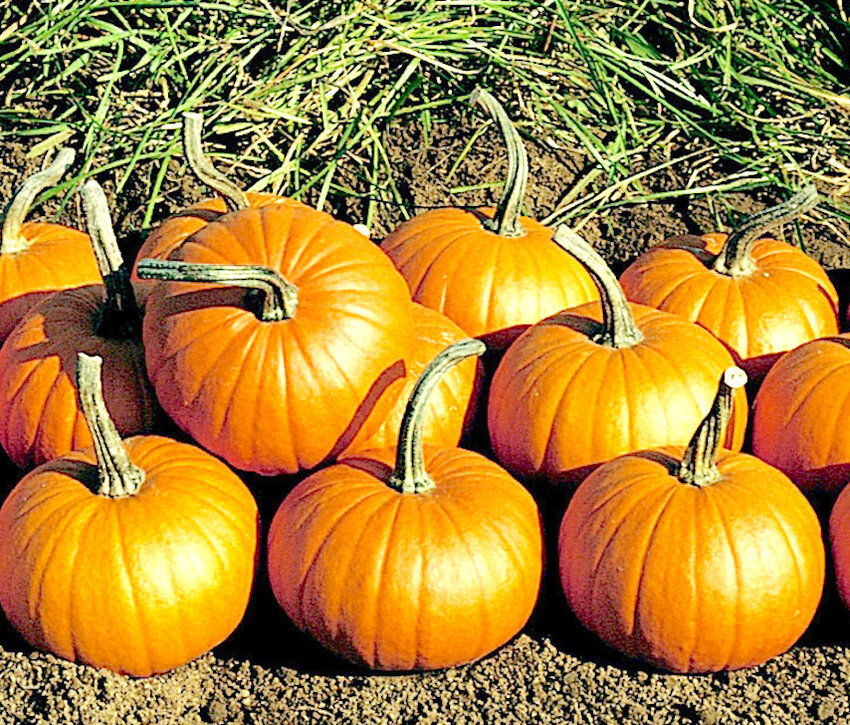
x,y
283,341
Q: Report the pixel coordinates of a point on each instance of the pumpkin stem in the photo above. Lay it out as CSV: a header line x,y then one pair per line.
x,y
698,467
118,475
119,315
202,167
735,258
506,220
618,324
409,475
11,239
269,295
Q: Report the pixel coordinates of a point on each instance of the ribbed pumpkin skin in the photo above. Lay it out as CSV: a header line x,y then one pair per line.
x,y
408,581
278,397
58,257
38,399
492,286
788,299
451,406
799,422
561,404
139,584
692,579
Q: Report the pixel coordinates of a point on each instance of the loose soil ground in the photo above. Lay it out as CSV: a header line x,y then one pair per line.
x,y
553,672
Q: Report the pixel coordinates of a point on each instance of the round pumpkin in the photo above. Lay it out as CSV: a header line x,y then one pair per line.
x,y
137,557
281,377
690,559
839,539
518,276
759,296
424,564
38,401
798,424
38,258
599,380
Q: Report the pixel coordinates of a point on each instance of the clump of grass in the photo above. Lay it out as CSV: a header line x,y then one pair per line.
x,y
755,89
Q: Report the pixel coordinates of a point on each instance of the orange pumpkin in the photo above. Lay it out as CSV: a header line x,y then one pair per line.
x,y
797,415
839,539
38,402
597,381
429,564
281,378
38,258
761,297
137,557
692,560
517,277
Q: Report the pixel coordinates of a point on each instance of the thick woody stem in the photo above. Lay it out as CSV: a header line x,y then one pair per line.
x,y
269,295
698,467
409,474
735,258
202,167
118,475
119,317
619,329
506,221
11,239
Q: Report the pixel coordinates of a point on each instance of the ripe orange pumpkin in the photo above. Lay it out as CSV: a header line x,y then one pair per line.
x,y
282,378
839,539
599,380
38,258
690,559
453,402
428,564
38,402
760,296
137,557
797,415
518,276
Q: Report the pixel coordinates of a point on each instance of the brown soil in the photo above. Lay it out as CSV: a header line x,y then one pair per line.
x,y
554,672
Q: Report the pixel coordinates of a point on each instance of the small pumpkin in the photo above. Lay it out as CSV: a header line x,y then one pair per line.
x,y
426,564
518,276
602,379
38,402
690,559
759,296
277,336
136,556
38,258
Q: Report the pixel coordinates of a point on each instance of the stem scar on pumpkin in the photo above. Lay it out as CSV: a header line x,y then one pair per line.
x,y
619,328
11,239
698,466
506,222
409,474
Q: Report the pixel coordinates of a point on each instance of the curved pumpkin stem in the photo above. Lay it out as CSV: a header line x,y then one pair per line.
x,y
409,474
619,328
202,167
118,475
119,316
270,296
11,239
698,467
506,220
735,258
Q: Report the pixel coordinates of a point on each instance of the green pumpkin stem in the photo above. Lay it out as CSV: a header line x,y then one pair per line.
x,y
409,474
11,239
269,295
202,167
506,220
117,474
119,315
619,328
735,258
698,466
